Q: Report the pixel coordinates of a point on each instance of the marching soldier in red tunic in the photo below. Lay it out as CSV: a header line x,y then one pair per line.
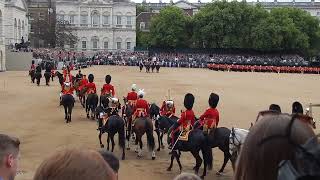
x,y
210,118
167,109
107,88
186,120
142,107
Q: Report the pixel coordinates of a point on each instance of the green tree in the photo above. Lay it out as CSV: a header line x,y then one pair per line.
x,y
64,35
169,28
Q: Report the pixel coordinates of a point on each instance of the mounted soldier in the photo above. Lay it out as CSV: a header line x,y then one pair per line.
x,y
210,118
142,107
186,121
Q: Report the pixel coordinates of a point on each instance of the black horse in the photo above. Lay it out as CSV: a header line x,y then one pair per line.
x,y
60,77
196,142
158,68
147,65
91,105
220,137
140,66
127,112
153,66
47,76
162,125
38,75
143,125
154,111
115,124
68,104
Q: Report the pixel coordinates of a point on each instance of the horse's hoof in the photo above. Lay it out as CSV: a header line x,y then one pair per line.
x,y
158,149
153,158
128,148
169,169
219,173
101,145
202,177
162,146
88,116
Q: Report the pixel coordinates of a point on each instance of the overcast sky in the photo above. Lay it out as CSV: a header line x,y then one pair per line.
x,y
156,1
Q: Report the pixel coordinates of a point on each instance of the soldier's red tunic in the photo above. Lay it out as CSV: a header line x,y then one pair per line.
x,y
165,111
83,83
210,117
91,88
142,108
187,119
108,89
67,91
132,96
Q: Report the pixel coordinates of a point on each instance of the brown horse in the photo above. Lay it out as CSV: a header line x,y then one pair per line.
x,y
143,125
270,141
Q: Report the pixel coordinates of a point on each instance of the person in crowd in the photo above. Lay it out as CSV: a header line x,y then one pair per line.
x,y
74,164
9,157
111,159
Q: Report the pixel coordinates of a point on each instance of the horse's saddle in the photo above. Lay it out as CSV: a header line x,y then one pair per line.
x,y
184,135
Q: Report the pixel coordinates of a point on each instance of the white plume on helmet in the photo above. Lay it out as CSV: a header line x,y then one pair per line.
x,y
134,87
169,103
141,92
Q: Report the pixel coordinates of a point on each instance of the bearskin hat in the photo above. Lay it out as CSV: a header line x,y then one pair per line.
x,y
213,100
108,79
275,107
297,108
91,78
188,101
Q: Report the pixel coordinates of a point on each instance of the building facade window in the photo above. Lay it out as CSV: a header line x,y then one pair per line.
x,y
95,19
128,45
105,20
118,45
142,25
71,46
41,16
84,20
129,20
118,20
72,19
105,45
84,45
95,44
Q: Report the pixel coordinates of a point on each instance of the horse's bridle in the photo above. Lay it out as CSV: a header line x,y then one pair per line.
x,y
233,138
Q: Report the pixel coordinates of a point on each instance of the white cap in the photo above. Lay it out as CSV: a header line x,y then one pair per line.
x,y
114,99
134,87
141,92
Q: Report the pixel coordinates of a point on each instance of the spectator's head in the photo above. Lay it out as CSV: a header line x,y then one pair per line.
x,y
74,164
187,176
9,153
260,154
275,107
111,159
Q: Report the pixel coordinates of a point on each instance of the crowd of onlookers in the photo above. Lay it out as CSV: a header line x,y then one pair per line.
x,y
67,164
187,60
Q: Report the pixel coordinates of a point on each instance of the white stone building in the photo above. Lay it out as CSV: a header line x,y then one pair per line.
x,y
2,45
15,21
100,24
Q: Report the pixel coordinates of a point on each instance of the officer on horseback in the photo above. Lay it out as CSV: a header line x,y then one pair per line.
x,y
186,120
142,107
209,120
132,96
32,71
167,109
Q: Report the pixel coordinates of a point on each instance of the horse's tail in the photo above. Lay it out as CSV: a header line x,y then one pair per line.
x,y
149,132
122,138
207,156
